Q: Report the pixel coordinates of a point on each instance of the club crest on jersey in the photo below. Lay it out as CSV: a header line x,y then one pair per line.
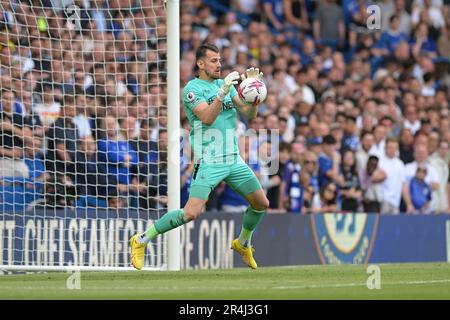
x,y
344,237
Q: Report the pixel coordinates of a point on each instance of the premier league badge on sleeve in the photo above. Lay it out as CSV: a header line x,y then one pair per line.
x,y
190,96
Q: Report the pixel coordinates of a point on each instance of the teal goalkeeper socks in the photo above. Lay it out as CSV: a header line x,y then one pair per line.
x,y
251,219
169,221
149,234
176,218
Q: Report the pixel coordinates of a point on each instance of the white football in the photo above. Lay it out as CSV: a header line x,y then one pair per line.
x,y
252,90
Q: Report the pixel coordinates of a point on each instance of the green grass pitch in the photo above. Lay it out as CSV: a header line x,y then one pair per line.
x,y
398,281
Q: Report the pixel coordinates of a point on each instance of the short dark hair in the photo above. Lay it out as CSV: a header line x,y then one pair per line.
x,y
350,117
284,146
98,66
302,70
365,133
329,139
393,17
340,114
428,76
201,51
421,168
5,90
147,122
425,121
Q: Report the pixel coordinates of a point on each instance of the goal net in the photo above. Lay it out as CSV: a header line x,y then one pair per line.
x,y
83,132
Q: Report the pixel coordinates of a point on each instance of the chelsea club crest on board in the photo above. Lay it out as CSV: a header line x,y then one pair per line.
x,y
344,237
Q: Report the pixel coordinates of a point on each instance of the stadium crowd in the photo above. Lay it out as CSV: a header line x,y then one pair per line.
x,y
362,113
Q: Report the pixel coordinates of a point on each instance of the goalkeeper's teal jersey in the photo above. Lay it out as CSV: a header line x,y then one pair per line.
x,y
216,143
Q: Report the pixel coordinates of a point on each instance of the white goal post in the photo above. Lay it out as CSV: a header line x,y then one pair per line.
x,y
173,105
88,75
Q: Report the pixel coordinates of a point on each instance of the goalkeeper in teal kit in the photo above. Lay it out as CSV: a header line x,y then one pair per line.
x,y
211,105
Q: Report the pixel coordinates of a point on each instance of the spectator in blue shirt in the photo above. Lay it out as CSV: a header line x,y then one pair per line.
x,y
273,192
422,43
36,168
390,39
329,161
273,9
350,139
294,188
116,156
310,182
19,108
420,191
356,15
291,186
308,52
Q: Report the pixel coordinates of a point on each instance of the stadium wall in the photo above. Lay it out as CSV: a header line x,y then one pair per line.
x,y
66,237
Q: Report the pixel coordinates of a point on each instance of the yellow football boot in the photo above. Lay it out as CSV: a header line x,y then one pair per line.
x,y
137,252
245,252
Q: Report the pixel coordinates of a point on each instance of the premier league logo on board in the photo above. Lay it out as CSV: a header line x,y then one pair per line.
x,y
344,238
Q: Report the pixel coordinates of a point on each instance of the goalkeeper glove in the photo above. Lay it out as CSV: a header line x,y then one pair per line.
x,y
229,80
252,73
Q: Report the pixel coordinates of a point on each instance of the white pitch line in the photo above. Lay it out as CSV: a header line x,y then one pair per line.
x,y
310,286
343,285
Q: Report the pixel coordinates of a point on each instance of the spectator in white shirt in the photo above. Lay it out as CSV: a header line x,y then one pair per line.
x,y
81,120
397,7
411,122
362,154
307,92
378,148
420,158
438,161
434,14
247,6
395,182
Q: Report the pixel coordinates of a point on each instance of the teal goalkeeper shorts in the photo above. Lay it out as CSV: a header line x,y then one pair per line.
x,y
207,176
